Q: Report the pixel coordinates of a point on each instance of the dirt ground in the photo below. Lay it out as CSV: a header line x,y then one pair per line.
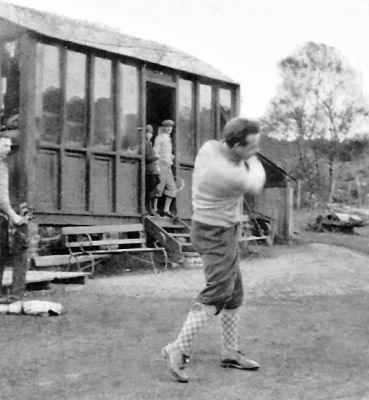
x,y
305,319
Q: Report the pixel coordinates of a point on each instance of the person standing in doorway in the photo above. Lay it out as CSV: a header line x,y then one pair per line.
x,y
224,171
152,171
164,150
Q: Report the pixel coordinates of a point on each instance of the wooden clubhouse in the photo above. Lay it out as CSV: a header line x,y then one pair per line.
x,y
76,97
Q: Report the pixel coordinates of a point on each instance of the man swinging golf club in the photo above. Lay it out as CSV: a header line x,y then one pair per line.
x,y
224,171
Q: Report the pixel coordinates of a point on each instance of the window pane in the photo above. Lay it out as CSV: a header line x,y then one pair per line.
x,y
76,99
206,131
185,129
225,103
103,127
48,93
129,107
9,98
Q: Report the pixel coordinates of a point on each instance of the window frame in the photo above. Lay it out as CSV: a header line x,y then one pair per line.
x,y
189,158
116,90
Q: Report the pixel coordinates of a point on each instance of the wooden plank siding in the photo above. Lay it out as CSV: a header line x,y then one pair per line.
x,y
142,116
87,181
216,111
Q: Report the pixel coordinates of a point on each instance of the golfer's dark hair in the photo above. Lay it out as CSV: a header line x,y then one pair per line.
x,y
237,130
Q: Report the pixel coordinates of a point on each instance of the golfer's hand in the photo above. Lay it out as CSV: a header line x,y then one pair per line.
x,y
19,220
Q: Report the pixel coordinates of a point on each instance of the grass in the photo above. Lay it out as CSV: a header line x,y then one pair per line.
x,y
107,347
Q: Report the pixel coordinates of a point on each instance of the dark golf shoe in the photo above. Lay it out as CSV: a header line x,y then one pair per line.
x,y
236,359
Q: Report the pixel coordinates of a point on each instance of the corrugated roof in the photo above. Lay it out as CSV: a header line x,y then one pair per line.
x,y
108,39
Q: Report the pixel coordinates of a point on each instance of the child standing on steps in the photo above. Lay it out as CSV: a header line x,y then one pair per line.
x,y
163,148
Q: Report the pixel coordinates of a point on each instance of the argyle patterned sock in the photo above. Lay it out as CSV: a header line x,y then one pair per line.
x,y
230,326
196,319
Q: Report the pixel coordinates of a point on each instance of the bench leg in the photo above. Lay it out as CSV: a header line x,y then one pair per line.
x,y
92,265
153,262
72,256
78,264
165,256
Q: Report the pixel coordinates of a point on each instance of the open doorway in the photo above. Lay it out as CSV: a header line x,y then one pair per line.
x,y
160,105
160,100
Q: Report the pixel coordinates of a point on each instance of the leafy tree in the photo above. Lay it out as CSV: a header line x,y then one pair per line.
x,y
319,96
354,149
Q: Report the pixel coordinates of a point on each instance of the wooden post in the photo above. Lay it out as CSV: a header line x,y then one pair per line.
x,y
143,122
26,159
285,212
89,129
237,101
332,191
298,195
288,224
177,167
349,189
359,191
197,116
116,92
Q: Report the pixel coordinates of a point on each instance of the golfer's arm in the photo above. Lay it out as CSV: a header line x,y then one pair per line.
x,y
255,176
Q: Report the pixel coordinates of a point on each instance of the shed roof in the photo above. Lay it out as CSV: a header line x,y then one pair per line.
x,y
106,38
276,176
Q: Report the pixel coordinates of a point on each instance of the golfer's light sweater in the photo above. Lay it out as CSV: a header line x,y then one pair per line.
x,y
219,184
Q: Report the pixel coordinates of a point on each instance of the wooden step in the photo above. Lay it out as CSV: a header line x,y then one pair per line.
x,y
253,238
165,222
172,225
37,277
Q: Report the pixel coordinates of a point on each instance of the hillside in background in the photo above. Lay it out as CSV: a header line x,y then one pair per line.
x,y
350,170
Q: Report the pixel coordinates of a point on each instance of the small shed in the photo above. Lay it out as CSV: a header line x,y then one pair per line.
x,y
275,203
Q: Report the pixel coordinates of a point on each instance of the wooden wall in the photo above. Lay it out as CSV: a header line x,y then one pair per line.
x,y
277,203
59,170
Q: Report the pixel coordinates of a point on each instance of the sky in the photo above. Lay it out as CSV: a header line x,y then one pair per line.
x,y
242,38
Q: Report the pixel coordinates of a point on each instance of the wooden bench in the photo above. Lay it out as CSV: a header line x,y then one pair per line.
x,y
81,263
106,240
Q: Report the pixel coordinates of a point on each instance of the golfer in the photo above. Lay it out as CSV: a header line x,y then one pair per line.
x,y
224,171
